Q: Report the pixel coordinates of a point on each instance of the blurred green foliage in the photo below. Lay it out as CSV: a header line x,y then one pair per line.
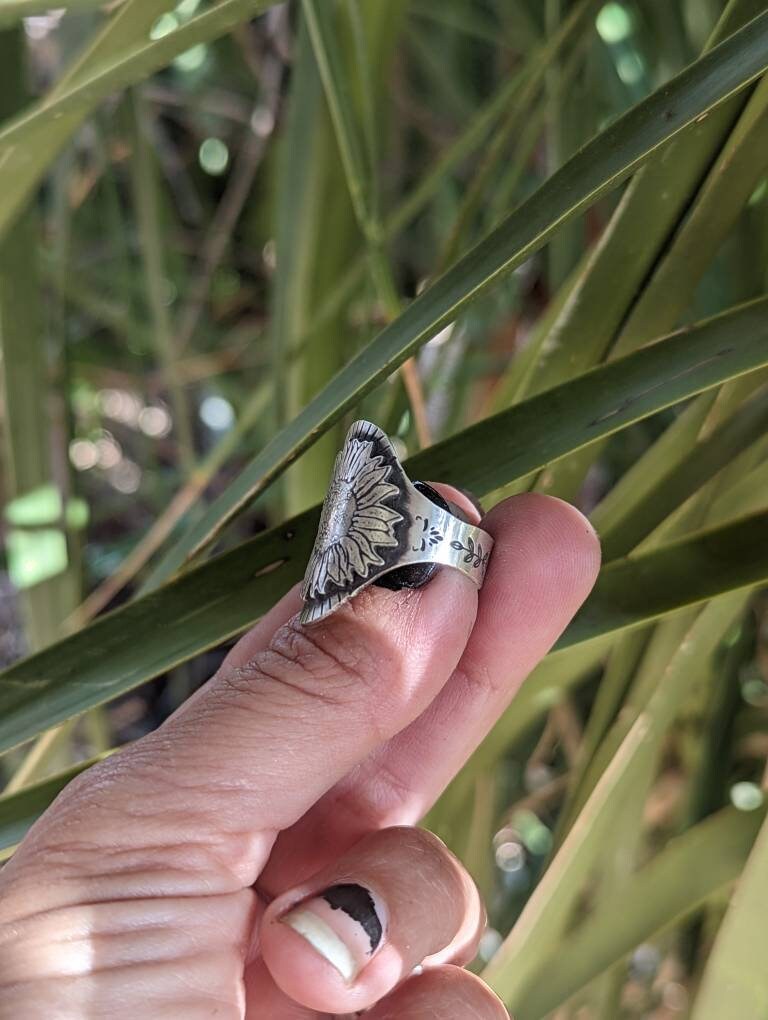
x,y
227,229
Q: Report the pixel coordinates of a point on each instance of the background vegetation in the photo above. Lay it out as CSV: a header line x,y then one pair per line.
x,y
227,228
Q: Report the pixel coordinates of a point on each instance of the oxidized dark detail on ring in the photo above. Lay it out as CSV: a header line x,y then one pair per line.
x,y
376,521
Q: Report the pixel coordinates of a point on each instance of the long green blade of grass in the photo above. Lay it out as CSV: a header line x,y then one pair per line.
x,y
548,910
317,238
679,649
605,287
739,167
35,538
656,702
559,421
569,33
240,586
705,458
322,28
149,222
600,165
358,147
652,469
735,981
696,866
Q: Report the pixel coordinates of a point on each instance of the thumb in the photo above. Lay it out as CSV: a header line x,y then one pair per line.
x,y
290,712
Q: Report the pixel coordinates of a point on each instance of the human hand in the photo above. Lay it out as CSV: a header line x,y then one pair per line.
x,y
174,878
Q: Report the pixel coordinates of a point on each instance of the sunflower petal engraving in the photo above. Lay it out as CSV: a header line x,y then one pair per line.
x,y
356,520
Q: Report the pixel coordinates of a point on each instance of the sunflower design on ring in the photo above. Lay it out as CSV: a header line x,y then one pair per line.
x,y
355,520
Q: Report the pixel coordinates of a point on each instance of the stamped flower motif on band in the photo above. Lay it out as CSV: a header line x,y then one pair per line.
x,y
355,521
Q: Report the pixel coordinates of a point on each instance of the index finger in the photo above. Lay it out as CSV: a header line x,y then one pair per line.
x,y
545,561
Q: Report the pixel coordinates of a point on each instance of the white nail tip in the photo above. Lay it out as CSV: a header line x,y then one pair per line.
x,y
324,939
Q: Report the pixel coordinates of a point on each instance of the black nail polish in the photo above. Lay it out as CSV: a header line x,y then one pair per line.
x,y
358,904
344,924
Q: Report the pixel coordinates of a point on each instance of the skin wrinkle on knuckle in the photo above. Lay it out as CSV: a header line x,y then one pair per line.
x,y
143,920
63,949
387,793
348,649
478,680
166,840
340,664
184,969
148,764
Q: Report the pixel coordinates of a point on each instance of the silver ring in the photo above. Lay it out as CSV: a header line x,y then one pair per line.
x,y
374,521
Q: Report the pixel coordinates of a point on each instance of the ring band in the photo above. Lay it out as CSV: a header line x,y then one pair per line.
x,y
374,521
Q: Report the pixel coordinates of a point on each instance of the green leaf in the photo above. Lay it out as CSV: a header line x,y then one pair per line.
x,y
704,459
545,916
323,31
544,428
19,810
105,659
651,471
632,747
541,64
36,545
610,279
599,166
317,239
147,202
21,169
639,588
672,653
735,981
619,667
680,648
739,167
693,868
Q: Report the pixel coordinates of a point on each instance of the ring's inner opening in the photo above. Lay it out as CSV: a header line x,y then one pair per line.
x,y
414,575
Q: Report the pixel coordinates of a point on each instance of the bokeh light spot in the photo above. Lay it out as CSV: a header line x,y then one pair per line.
x,y
83,454
614,23
213,156
630,68
155,422
217,413
746,796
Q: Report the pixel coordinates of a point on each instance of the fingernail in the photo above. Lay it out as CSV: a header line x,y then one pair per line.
x,y
472,499
343,924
